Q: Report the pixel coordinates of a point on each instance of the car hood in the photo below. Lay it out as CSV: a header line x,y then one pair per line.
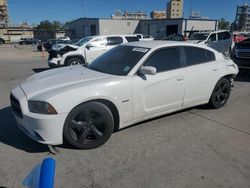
x,y
194,41
59,78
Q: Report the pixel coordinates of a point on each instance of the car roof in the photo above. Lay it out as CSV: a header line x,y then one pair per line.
x,y
163,43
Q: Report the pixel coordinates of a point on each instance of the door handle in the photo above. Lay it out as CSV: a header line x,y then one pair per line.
x,y
180,78
215,69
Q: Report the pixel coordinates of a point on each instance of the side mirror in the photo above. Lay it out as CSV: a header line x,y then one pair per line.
x,y
148,70
88,46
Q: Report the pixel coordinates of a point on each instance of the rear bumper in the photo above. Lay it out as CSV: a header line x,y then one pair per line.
x,y
46,129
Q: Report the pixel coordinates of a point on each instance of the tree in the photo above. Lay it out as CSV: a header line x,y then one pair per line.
x,y
46,24
223,24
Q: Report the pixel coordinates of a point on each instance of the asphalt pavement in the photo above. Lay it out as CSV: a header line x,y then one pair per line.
x,y
198,147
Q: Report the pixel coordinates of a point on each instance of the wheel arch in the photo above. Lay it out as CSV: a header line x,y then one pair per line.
x,y
112,107
76,56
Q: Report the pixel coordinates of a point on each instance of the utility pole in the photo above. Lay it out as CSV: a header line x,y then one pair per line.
x,y
83,8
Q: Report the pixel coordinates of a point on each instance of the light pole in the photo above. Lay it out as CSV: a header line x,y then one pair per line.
x,y
83,8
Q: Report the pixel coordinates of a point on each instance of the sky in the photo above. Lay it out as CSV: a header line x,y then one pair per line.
x,y
34,11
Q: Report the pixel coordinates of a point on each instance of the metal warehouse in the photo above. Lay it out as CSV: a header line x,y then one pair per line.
x,y
84,27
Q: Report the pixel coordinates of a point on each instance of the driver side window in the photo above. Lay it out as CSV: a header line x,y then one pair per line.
x,y
165,59
212,37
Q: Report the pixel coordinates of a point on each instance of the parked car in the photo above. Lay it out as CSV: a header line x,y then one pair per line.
x,y
130,83
175,37
48,45
143,37
219,40
28,41
60,45
2,41
86,50
242,49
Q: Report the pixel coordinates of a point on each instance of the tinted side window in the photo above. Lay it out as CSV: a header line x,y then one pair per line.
x,y
195,56
114,40
165,59
212,37
132,39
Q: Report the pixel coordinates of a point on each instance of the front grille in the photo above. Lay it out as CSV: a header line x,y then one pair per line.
x,y
15,106
243,55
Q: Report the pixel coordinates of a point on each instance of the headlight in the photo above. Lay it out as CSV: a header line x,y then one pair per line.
x,y
59,55
41,107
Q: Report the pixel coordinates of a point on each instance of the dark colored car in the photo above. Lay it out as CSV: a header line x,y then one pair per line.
x,y
174,37
242,49
1,41
48,45
28,41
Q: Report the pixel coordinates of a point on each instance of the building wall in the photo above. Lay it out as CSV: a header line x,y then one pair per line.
x,y
158,15
175,9
109,26
199,25
162,28
4,18
82,27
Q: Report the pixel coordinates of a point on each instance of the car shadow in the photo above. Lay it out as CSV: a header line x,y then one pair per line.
x,y
40,70
244,75
11,135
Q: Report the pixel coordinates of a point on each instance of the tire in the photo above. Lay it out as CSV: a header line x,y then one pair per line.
x,y
74,61
88,126
1,41
221,94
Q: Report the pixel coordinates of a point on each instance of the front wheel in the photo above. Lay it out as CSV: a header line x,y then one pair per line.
x,y
74,61
220,93
89,125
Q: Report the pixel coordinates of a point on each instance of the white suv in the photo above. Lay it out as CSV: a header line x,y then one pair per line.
x,y
220,40
86,49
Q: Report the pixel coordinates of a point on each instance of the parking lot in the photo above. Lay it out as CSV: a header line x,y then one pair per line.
x,y
198,147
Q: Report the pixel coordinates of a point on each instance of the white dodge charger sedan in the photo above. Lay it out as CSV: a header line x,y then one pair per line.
x,y
128,84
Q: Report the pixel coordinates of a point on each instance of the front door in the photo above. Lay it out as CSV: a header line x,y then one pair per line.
x,y
163,92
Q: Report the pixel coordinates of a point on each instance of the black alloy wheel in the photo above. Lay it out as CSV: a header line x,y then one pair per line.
x,y
89,125
74,61
220,93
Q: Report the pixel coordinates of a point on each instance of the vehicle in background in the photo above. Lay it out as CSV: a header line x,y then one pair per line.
x,y
242,49
28,41
86,49
219,40
174,37
48,45
130,83
238,37
143,37
2,41
60,45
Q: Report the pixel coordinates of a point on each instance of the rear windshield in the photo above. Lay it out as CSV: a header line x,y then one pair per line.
x,y
132,39
199,36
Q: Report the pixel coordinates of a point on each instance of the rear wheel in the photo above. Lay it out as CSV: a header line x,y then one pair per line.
x,y
74,61
89,125
220,93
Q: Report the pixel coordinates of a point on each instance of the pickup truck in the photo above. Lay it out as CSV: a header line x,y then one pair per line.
x,y
142,37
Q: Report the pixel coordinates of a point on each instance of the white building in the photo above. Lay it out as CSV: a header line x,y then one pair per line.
x,y
84,27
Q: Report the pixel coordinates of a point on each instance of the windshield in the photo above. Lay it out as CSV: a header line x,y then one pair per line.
x,y
199,36
119,60
83,41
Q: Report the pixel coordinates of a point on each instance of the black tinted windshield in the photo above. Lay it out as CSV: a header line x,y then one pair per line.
x,y
83,41
199,36
119,60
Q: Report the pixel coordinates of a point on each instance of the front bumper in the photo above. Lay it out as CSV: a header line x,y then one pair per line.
x,y
46,129
54,62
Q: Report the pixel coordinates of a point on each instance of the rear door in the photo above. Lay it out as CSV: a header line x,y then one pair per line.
x,y
202,73
95,48
225,40
213,42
